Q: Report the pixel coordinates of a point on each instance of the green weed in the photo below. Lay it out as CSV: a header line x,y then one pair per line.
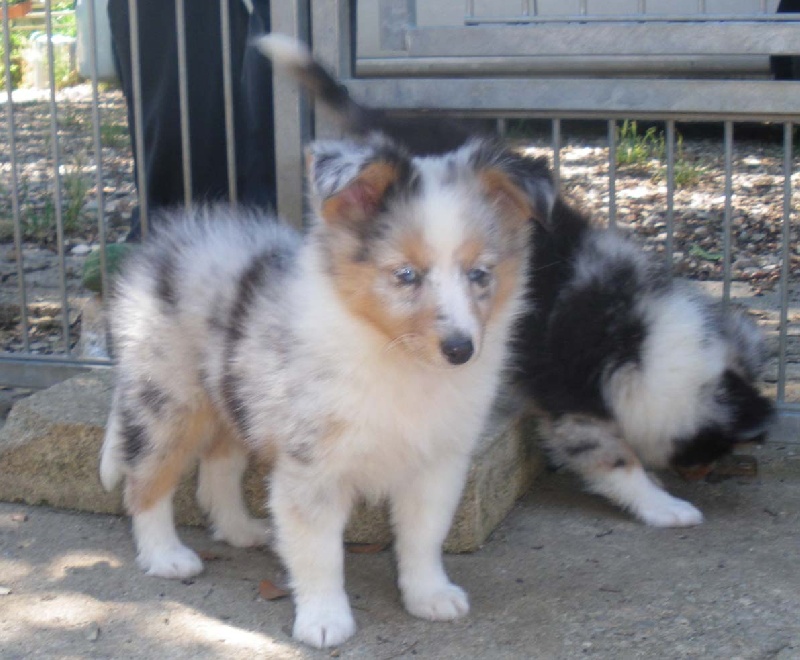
x,y
648,149
114,135
634,148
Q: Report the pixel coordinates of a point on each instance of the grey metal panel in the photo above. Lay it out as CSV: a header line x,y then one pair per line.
x,y
578,97
292,116
666,17
395,18
652,38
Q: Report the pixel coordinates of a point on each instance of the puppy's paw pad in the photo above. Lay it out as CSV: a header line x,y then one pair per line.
x,y
176,563
322,628
244,533
670,512
445,603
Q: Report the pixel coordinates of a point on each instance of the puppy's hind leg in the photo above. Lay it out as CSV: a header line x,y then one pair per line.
x,y
219,492
593,448
168,445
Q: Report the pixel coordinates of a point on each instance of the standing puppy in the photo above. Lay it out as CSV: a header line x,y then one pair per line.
x,y
363,359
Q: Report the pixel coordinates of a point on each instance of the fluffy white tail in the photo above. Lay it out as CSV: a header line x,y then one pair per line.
x,y
284,50
110,459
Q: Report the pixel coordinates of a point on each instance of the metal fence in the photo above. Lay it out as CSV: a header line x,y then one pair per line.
x,y
490,65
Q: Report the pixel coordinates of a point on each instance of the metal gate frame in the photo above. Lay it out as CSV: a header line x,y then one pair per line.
x,y
561,98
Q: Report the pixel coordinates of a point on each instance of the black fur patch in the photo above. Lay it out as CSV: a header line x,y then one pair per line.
x,y
134,436
234,401
165,279
581,447
708,445
752,412
153,397
252,279
749,413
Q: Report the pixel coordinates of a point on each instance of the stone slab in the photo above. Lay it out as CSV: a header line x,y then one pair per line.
x,y
50,444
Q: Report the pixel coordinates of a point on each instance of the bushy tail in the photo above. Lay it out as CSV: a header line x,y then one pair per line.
x,y
110,455
422,136
293,56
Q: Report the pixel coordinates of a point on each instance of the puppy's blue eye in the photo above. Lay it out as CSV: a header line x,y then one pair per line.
x,y
479,276
407,276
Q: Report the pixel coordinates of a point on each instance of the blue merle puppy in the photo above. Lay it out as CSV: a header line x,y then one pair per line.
x,y
633,369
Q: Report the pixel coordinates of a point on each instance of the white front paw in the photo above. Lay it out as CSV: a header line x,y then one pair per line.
x,y
324,622
667,511
443,602
175,562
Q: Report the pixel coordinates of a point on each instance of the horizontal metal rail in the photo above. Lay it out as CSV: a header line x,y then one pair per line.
x,y
610,39
576,98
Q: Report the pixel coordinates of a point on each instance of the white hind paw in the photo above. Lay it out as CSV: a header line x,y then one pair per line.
x,y
443,602
175,562
243,533
324,623
668,511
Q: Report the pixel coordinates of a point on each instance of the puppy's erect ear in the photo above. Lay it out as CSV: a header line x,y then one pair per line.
x,y
522,187
349,181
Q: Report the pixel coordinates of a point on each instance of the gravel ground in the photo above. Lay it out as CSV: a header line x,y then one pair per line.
x,y
699,206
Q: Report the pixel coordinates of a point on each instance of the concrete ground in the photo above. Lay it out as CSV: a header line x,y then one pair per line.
x,y
565,576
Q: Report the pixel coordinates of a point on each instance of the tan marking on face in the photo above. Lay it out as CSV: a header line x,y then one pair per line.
x,y
369,292
359,200
470,251
508,280
512,202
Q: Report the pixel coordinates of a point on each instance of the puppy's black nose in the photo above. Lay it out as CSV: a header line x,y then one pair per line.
x,y
457,349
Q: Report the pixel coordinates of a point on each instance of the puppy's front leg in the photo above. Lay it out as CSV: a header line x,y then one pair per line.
x,y
422,511
309,525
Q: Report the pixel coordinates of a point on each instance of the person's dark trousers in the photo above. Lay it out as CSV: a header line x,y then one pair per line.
x,y
252,83
787,67
256,135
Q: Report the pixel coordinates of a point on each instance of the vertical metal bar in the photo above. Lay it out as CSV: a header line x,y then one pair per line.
x,y
502,127
642,7
701,6
470,9
183,95
670,139
292,117
98,151
582,7
785,259
12,143
557,152
56,153
138,116
227,86
726,227
763,6
612,173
